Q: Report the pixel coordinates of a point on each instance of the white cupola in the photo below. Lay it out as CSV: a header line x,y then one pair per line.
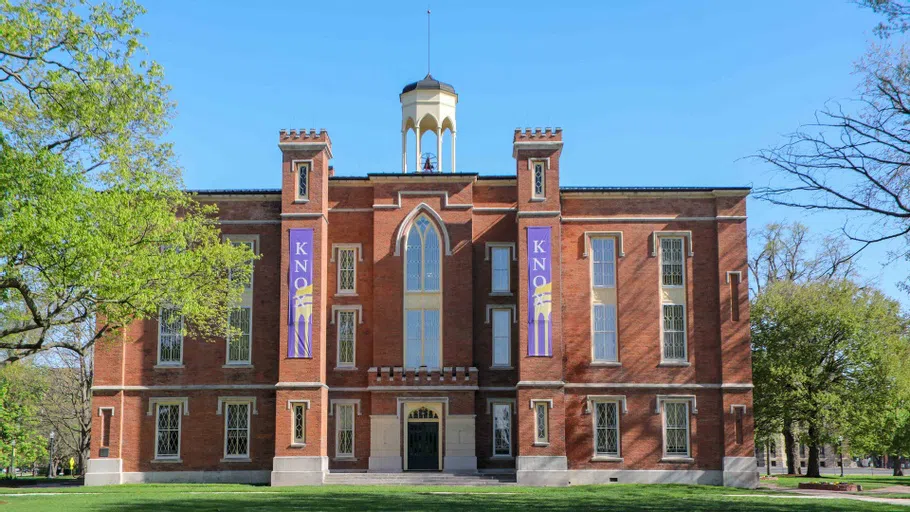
x,y
427,106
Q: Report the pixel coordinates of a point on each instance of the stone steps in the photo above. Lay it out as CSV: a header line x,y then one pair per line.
x,y
441,479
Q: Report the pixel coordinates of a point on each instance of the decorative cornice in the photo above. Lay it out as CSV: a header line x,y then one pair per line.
x,y
443,193
306,146
539,213
532,145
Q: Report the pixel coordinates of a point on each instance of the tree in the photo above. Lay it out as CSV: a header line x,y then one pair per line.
x,y
20,389
94,225
825,352
789,252
854,158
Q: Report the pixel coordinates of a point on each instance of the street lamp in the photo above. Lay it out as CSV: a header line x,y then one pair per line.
x,y
50,461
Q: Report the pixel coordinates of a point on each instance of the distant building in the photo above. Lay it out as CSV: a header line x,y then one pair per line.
x,y
827,455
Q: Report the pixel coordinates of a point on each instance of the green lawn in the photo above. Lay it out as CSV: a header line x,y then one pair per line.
x,y
616,497
868,482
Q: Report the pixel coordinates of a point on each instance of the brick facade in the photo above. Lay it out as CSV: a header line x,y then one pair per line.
x,y
472,211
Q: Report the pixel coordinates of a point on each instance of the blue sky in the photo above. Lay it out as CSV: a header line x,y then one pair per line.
x,y
647,93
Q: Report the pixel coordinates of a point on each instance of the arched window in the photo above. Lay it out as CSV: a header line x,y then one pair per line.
x,y
422,257
423,301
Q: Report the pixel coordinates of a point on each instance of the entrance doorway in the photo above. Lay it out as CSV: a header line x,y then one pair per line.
x,y
423,440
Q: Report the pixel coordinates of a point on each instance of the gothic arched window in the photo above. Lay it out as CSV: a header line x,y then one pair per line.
x,y
422,257
423,301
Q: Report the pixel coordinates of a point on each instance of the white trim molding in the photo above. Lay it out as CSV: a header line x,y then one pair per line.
x,y
658,385
676,398
540,384
345,401
356,246
490,245
735,407
661,234
735,273
233,399
443,193
444,400
491,307
293,401
604,234
347,307
590,399
307,146
182,400
100,409
533,401
539,213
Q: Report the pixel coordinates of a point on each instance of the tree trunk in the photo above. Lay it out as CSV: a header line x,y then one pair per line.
x,y
896,462
812,467
789,447
768,458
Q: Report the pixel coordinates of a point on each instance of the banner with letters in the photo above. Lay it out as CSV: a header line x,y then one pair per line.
x,y
300,291
540,293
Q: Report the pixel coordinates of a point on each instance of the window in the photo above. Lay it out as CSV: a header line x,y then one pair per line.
x,y
251,244
344,431
674,332
502,331
240,339
167,431
671,257
237,430
299,424
346,338
106,426
423,257
606,428
541,423
604,262
676,427
347,270
540,180
501,267
502,430
422,348
605,332
170,337
738,425
734,295
303,181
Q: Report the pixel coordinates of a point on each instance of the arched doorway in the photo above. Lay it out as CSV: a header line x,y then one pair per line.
x,y
423,440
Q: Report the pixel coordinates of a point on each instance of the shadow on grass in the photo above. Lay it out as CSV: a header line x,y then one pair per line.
x,y
626,499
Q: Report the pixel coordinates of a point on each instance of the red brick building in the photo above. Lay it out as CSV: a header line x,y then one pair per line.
x,y
454,322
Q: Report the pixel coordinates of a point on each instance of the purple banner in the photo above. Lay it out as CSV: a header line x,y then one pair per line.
x,y
300,294
540,292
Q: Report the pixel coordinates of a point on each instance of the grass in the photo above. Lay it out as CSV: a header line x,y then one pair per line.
x,y
610,498
868,482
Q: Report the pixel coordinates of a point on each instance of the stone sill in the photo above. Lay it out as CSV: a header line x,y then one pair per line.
x,y
169,366
674,364
301,201
500,294
607,364
298,445
541,444
606,458
239,366
678,460
538,199
167,461
236,459
502,367
502,457
346,368
346,294
345,459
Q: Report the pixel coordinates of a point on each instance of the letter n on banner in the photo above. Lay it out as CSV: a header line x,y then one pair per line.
x,y
300,291
540,293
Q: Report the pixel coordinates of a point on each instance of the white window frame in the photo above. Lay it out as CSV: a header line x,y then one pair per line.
x,y
240,362
595,332
594,261
225,404
252,241
338,419
619,406
302,406
343,313
180,404
539,196
682,260
508,407
494,312
298,165
508,270
354,252
663,334
246,301
663,418
536,407
179,362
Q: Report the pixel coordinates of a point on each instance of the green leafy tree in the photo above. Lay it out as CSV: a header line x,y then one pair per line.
x,y
825,353
94,225
21,387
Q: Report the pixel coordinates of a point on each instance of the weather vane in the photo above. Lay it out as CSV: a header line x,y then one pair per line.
x,y
428,41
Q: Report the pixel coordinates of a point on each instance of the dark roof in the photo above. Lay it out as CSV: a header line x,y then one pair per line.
x,y
420,174
236,191
650,189
429,83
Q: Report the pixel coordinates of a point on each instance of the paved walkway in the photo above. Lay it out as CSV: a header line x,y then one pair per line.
x,y
834,495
